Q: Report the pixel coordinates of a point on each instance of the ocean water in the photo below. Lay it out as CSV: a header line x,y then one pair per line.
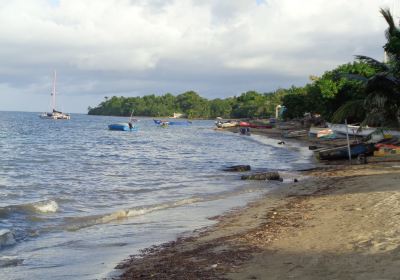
x,y
76,198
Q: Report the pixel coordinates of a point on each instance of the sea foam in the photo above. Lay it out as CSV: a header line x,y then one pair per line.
x,y
48,206
6,261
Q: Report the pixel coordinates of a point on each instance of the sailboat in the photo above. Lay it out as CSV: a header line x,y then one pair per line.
x,y
54,114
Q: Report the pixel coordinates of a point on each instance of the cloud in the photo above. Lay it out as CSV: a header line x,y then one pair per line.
x,y
136,47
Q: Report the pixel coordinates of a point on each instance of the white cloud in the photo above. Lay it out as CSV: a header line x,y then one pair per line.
x,y
138,46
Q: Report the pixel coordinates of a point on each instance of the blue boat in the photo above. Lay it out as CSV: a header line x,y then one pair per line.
x,y
122,127
342,152
160,122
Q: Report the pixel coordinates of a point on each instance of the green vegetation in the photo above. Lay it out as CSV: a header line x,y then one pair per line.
x,y
365,91
192,105
323,95
379,100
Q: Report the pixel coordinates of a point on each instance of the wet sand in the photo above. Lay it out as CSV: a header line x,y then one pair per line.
x,y
341,223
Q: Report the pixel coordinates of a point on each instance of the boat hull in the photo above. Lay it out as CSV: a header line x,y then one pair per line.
x,y
51,116
253,125
226,124
351,129
342,152
121,127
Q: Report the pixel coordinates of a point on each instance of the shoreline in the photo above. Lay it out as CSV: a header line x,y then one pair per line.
x,y
291,232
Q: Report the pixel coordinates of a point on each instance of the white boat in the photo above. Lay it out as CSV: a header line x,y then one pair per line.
x,y
225,124
354,130
54,114
321,132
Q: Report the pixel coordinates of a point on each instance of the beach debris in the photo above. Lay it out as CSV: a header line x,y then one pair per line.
x,y
362,159
295,180
263,176
281,142
238,168
295,133
312,147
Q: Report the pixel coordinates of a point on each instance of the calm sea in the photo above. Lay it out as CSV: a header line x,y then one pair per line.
x,y
76,198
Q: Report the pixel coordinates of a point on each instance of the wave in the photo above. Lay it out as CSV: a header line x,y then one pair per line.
x,y
77,223
46,206
49,206
7,261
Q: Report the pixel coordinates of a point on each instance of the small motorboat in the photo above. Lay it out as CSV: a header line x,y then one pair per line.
x,y
226,124
123,127
161,122
353,130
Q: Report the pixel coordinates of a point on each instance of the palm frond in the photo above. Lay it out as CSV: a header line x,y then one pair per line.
x,y
382,82
356,77
373,62
376,101
387,15
351,109
373,120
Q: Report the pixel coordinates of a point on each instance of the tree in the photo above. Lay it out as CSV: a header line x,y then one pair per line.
x,y
381,94
193,105
220,108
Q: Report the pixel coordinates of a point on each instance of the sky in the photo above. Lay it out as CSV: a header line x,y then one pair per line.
x,y
218,48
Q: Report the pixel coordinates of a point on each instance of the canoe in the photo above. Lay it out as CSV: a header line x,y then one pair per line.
x,y
122,127
253,125
261,126
244,124
342,152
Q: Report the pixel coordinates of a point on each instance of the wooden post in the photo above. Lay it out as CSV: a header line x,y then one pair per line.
x,y
348,141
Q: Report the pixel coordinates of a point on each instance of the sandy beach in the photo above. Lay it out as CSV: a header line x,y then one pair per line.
x,y
342,222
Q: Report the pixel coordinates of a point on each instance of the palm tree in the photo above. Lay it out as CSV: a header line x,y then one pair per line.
x,y
380,102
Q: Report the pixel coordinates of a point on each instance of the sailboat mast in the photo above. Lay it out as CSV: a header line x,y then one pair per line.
x,y
54,90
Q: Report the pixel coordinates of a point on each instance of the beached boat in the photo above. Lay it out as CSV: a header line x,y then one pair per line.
x,y
255,125
321,133
260,126
226,124
342,152
54,114
122,127
353,130
244,124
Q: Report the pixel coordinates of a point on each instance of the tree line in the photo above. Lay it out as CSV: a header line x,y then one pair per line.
x,y
250,104
364,91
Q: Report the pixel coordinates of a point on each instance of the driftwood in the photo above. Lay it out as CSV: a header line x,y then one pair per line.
x,y
238,168
263,176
